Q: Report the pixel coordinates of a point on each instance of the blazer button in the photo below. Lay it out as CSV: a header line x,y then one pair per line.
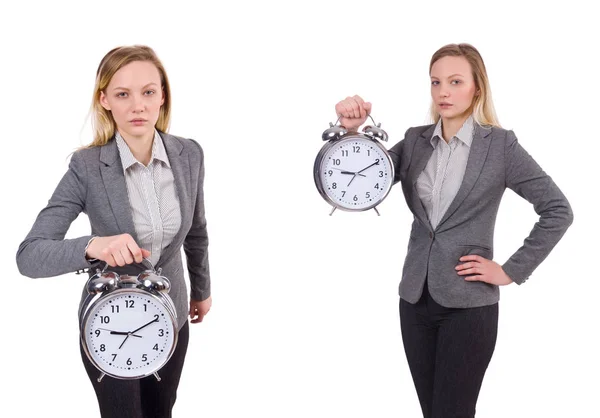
x,y
431,235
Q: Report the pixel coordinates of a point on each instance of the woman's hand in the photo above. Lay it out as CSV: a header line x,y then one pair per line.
x,y
116,250
353,111
483,270
199,308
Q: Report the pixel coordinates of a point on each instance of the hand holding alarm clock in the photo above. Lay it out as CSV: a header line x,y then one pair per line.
x,y
353,171
353,112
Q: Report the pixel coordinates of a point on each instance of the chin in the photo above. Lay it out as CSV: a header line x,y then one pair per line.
x,y
452,113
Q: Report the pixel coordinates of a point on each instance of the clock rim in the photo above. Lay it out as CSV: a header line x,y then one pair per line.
x,y
317,170
116,292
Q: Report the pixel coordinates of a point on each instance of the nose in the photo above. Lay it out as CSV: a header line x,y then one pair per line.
x,y
138,104
444,92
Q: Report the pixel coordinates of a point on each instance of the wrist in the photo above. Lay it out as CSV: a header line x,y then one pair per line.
x,y
87,253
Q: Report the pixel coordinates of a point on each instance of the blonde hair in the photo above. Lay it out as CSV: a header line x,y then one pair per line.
x,y
103,123
482,106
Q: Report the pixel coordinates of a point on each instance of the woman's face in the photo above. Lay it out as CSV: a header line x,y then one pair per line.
x,y
134,97
452,87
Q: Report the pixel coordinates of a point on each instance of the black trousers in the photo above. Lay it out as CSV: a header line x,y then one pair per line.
x,y
448,351
142,398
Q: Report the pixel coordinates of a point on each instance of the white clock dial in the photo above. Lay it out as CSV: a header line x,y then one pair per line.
x,y
356,173
129,334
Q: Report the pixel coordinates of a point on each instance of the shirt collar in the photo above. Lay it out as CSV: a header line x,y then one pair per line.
x,y
464,134
127,158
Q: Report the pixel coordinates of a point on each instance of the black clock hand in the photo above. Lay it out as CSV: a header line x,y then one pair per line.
x,y
348,172
144,326
118,332
354,174
353,177
125,333
375,163
123,341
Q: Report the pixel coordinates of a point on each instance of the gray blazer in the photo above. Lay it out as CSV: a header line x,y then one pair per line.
x,y
496,161
95,184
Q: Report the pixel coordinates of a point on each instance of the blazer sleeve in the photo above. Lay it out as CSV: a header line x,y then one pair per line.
x,y
195,244
525,177
396,154
45,252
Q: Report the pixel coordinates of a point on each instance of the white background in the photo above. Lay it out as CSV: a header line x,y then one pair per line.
x,y
305,315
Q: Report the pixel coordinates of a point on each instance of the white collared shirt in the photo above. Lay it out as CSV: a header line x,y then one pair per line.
x,y
439,182
152,196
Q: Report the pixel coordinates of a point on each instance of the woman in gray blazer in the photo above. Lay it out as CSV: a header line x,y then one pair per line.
x,y
453,175
142,190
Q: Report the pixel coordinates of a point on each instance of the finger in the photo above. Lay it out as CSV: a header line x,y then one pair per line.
x,y
468,265
110,260
477,278
135,251
355,107
472,257
474,270
348,111
146,253
193,314
196,316
118,257
126,254
358,110
367,106
359,100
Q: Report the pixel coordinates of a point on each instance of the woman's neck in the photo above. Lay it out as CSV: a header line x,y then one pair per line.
x,y
141,147
451,126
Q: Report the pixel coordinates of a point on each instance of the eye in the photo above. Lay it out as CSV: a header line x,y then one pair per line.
x,y
121,94
457,81
151,92
435,83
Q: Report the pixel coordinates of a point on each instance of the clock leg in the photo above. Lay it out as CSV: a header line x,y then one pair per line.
x,y
375,209
101,377
157,376
331,213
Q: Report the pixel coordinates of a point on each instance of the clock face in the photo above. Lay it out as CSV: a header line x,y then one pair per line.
x,y
356,173
129,333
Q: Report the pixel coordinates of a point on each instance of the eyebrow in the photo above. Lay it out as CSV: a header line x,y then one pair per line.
x,y
450,76
125,88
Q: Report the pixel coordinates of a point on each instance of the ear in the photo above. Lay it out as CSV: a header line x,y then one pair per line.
x,y
104,101
162,96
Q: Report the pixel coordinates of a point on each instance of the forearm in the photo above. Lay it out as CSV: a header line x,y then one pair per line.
x,y
39,257
555,219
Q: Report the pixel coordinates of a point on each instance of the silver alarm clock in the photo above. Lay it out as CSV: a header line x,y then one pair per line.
x,y
128,324
353,171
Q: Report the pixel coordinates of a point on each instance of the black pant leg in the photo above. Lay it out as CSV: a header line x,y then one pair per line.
x,y
466,342
419,336
158,397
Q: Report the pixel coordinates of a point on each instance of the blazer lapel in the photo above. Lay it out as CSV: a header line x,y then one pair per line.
x,y
116,188
477,155
182,173
421,154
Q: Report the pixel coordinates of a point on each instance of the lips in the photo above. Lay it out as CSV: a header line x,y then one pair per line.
x,y
138,120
